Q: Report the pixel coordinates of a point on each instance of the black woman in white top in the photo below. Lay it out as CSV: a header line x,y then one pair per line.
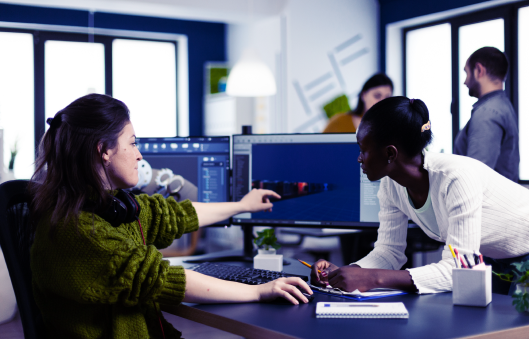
x,y
454,199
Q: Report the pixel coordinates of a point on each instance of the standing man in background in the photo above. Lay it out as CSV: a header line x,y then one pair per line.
x,y
491,134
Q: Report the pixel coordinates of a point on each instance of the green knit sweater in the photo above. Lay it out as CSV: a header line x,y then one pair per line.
x,y
99,281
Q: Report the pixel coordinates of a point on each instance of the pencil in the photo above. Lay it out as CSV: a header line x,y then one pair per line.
x,y
308,265
463,265
453,255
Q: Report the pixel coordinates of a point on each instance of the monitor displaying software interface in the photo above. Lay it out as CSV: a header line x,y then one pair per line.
x,y
317,175
196,168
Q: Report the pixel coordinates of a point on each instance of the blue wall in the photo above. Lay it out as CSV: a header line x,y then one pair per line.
x,y
206,41
398,10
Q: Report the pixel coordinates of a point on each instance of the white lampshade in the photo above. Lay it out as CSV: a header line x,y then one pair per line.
x,y
250,77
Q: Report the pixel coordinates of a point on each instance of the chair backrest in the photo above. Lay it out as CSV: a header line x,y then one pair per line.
x,y
16,238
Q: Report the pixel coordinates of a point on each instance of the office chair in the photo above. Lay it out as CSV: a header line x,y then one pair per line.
x,y
16,239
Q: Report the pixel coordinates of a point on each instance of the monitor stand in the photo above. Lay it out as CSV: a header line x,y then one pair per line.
x,y
248,251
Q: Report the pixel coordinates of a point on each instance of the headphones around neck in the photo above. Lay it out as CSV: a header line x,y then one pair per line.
x,y
123,208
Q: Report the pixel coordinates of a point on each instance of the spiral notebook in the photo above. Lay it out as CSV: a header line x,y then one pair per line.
x,y
361,310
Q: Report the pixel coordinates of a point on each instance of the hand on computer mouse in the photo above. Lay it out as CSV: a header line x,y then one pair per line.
x,y
291,289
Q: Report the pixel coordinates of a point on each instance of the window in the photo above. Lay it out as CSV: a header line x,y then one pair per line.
x,y
72,70
523,89
426,47
16,102
492,27
47,70
472,37
144,74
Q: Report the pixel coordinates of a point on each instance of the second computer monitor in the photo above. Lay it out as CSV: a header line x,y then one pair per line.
x,y
195,168
317,175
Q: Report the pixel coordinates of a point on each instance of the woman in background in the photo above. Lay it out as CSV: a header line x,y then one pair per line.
x,y
377,88
97,269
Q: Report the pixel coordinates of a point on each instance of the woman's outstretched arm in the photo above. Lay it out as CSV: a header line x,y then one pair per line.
x,y
256,200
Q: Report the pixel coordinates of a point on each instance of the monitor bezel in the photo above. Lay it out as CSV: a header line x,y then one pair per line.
x,y
273,223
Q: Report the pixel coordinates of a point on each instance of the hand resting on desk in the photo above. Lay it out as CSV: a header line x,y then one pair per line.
x,y
353,277
205,289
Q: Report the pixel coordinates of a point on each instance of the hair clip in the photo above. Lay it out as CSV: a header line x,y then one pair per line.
x,y
49,121
411,101
426,126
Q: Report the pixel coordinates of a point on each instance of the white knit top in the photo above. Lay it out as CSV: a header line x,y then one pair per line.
x,y
476,209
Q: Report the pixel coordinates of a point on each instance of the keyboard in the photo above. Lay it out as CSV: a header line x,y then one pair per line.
x,y
240,274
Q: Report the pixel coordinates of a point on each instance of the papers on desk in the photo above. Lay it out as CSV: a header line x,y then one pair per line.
x,y
363,310
357,295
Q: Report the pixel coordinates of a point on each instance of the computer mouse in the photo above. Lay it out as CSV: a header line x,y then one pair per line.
x,y
309,297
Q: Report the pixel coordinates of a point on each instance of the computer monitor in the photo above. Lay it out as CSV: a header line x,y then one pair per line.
x,y
195,168
317,175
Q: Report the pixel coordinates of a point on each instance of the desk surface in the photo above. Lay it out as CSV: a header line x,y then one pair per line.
x,y
431,316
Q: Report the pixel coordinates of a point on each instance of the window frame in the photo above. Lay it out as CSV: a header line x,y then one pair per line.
x,y
507,12
42,33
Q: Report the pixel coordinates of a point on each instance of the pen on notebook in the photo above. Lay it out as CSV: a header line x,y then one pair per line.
x,y
453,255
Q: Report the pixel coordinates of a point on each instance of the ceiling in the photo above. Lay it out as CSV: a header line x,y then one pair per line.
x,y
228,11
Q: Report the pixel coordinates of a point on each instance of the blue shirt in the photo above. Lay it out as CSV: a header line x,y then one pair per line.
x,y
491,135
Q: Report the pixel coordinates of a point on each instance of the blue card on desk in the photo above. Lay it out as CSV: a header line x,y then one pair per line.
x,y
357,295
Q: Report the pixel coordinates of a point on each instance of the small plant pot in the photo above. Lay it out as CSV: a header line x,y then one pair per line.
x,y
521,297
268,260
264,251
522,288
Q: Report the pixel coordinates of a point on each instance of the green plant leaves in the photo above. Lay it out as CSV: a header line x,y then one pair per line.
x,y
521,266
521,301
504,276
267,238
521,270
521,298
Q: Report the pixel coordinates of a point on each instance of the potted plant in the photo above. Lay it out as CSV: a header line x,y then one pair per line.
x,y
521,278
267,259
266,241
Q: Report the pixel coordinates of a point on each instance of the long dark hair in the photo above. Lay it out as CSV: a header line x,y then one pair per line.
x,y
398,121
379,79
66,174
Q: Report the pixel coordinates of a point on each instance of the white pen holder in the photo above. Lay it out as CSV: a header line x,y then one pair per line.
x,y
472,287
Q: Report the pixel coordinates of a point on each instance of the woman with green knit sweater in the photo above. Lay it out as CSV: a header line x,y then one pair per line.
x,y
95,277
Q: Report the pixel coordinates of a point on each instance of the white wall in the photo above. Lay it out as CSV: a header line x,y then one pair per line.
x,y
318,51
264,37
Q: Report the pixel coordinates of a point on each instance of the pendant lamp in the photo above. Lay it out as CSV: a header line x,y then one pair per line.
x,y
250,77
